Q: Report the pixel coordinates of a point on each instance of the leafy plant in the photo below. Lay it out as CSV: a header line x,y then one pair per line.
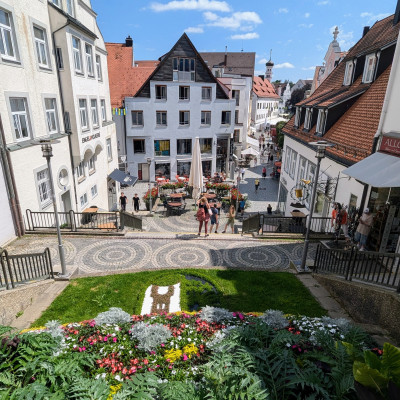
x,y
150,336
114,315
275,319
215,314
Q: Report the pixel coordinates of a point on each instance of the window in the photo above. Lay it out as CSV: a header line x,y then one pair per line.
x,y
83,113
80,171
311,171
236,135
92,164
109,149
206,93
206,145
76,49
89,59
161,118
236,96
137,118
44,188
302,169
369,69
56,2
7,37
51,115
236,117
293,164
321,121
161,92
139,146
183,69
308,117
184,117
288,156
83,200
98,68
94,112
206,118
20,118
41,47
298,117
59,58
184,146
93,190
184,92
348,74
226,117
103,110
161,148
70,7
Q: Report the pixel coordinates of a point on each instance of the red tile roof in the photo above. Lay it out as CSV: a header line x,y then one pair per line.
x,y
124,79
264,88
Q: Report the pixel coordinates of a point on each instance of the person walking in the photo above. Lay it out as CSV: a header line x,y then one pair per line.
x,y
214,218
269,209
242,205
242,171
231,219
122,201
203,215
264,172
257,184
363,229
136,202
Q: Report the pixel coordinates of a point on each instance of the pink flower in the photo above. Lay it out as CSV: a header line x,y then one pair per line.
x,y
162,345
114,339
105,338
170,366
185,357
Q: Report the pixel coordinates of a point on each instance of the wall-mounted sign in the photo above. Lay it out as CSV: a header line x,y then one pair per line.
x,y
91,137
390,145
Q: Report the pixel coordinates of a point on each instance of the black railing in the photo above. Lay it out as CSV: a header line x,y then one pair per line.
x,y
381,269
23,268
132,221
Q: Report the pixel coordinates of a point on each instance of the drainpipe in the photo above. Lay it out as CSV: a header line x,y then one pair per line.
x,y
5,160
63,113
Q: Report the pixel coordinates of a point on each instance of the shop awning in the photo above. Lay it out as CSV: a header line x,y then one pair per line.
x,y
123,178
378,170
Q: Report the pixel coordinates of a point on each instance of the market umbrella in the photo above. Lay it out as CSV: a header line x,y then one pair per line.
x,y
196,170
250,151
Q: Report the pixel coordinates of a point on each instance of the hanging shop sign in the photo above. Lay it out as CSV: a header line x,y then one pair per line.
x,y
390,145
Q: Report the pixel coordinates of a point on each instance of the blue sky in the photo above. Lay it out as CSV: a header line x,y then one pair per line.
x,y
297,31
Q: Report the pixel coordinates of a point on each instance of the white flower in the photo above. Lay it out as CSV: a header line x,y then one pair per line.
x,y
287,344
189,340
332,331
118,378
173,372
116,327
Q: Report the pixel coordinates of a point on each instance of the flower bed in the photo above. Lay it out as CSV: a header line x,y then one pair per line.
x,y
154,194
214,353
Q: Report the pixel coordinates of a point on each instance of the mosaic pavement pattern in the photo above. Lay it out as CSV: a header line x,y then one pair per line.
x,y
98,255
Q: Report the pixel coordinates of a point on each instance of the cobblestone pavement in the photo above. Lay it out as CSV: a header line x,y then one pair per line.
x,y
99,255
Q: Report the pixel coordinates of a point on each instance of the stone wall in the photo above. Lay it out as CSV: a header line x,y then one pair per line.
x,y
16,300
365,303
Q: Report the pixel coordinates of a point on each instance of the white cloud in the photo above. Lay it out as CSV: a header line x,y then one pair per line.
x,y
373,17
246,36
238,20
308,26
323,3
284,65
307,15
262,61
283,11
194,29
199,5
345,39
308,68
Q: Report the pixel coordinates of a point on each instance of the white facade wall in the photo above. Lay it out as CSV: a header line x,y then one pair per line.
x,y
173,131
329,169
263,109
7,232
23,78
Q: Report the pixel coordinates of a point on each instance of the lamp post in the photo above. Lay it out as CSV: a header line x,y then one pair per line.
x,y
321,146
149,164
47,154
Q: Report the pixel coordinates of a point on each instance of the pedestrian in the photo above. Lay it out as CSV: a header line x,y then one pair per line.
x,y
231,219
203,215
135,202
271,157
264,172
363,229
242,171
122,201
214,218
257,184
242,205
269,209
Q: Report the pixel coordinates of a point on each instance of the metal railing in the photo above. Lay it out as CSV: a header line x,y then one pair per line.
x,y
72,221
381,269
23,268
131,221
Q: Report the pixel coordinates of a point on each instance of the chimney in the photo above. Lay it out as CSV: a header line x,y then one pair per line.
x,y
128,42
261,76
396,18
365,30
226,55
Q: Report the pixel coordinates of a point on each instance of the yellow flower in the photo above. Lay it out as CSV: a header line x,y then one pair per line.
x,y
172,355
38,328
190,349
113,390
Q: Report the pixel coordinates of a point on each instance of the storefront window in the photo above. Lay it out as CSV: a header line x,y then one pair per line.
x,y
222,154
163,170
206,145
282,199
206,165
183,168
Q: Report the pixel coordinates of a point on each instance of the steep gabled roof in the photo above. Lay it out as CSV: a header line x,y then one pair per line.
x,y
241,63
264,88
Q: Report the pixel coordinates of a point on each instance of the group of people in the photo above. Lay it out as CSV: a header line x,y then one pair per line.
x,y
123,200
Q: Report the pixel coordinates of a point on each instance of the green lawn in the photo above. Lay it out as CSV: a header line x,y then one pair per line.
x,y
243,291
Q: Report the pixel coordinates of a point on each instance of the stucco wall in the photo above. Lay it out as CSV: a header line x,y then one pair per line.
x,y
7,232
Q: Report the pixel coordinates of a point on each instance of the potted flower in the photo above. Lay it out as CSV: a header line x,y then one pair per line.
x,y
153,196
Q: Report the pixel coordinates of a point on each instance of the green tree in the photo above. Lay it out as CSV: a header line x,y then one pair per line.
x,y
279,134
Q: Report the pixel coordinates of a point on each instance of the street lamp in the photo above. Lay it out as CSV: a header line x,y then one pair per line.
x,y
149,164
47,154
320,146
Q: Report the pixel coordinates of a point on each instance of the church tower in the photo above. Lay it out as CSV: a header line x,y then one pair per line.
x,y
269,65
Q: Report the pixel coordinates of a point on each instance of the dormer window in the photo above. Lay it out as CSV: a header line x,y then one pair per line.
x,y
369,68
307,119
348,75
297,118
183,69
321,121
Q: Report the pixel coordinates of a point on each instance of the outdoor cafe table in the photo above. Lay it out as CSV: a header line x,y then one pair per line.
x,y
176,195
278,163
209,196
91,210
174,204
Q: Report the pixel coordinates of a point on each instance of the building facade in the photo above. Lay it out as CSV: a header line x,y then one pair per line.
x,y
181,100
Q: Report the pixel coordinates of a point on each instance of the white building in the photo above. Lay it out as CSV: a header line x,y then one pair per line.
x,y
179,101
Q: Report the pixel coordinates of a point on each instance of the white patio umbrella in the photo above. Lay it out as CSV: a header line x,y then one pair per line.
x,y
250,151
196,170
